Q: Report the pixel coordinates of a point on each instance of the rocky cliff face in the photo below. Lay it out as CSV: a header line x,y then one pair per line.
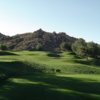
x,y
36,40
3,37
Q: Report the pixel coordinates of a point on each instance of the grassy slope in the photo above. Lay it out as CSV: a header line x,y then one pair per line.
x,y
84,85
66,62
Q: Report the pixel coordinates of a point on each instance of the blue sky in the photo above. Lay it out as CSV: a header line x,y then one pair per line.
x,y
79,18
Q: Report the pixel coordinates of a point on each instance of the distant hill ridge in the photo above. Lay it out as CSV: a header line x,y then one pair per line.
x,y
37,40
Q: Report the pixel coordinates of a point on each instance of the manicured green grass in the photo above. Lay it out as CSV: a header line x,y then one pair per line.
x,y
66,62
35,75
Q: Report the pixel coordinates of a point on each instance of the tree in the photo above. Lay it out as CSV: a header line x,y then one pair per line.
x,y
3,47
93,49
65,46
98,50
79,47
39,47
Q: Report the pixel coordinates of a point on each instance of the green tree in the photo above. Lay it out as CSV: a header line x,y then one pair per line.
x,y
79,47
39,47
63,46
93,49
3,47
98,50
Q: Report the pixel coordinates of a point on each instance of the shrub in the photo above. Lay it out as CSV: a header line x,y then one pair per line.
x,y
3,47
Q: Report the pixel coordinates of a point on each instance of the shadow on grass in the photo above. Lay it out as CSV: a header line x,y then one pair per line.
x,y
17,68
5,53
89,62
50,87
53,54
74,55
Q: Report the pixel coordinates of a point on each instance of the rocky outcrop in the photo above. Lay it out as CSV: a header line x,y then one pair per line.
x,y
36,40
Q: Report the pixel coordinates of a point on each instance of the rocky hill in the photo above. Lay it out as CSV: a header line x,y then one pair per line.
x,y
37,40
3,37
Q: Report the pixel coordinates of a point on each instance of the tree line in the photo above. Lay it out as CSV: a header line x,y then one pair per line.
x,y
86,49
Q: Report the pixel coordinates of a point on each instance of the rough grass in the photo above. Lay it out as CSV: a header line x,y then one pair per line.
x,y
68,78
